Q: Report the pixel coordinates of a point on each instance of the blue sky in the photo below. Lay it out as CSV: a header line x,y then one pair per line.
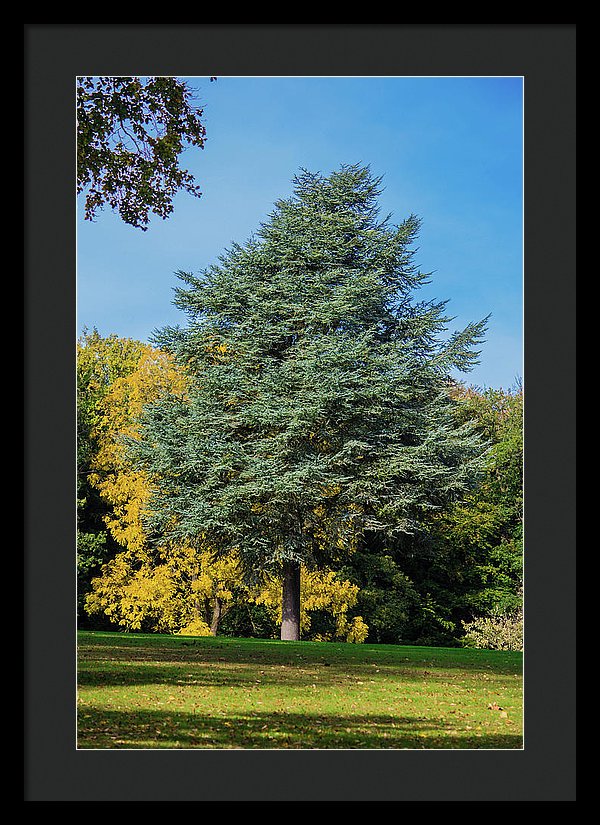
x,y
449,149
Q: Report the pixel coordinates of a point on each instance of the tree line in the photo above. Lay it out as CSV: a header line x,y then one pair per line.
x,y
297,459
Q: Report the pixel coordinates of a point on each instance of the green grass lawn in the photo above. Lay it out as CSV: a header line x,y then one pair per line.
x,y
153,691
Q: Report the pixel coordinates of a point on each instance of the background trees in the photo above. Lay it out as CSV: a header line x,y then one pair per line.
x,y
318,405
465,561
483,536
100,362
130,135
463,566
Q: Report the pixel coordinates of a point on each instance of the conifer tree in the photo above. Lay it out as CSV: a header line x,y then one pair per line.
x,y
318,402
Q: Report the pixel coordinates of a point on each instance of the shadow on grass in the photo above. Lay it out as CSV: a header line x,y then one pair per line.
x,y
232,674
141,647
135,661
104,729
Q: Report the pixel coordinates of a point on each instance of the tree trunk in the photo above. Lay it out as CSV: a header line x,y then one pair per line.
x,y
200,606
290,609
216,616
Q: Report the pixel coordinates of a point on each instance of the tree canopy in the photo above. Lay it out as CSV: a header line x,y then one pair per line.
x,y
101,363
465,563
130,135
318,402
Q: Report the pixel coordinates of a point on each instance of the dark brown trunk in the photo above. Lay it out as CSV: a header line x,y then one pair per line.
x,y
290,608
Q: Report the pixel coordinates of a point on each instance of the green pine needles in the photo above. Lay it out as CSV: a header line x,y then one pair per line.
x,y
318,404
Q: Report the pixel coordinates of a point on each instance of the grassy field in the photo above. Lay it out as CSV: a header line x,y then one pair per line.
x,y
152,691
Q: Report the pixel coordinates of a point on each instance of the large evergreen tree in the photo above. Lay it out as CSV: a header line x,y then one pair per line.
x,y
318,405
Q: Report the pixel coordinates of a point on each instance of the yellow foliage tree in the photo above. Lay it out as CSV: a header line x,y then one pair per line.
x,y
124,488
136,599
176,592
168,590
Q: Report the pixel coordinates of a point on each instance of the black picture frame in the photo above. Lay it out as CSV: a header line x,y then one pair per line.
x,y
544,55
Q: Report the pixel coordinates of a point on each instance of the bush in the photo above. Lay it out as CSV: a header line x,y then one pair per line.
x,y
196,627
499,632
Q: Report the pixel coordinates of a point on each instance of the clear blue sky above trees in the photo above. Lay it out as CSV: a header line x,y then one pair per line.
x,y
449,150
